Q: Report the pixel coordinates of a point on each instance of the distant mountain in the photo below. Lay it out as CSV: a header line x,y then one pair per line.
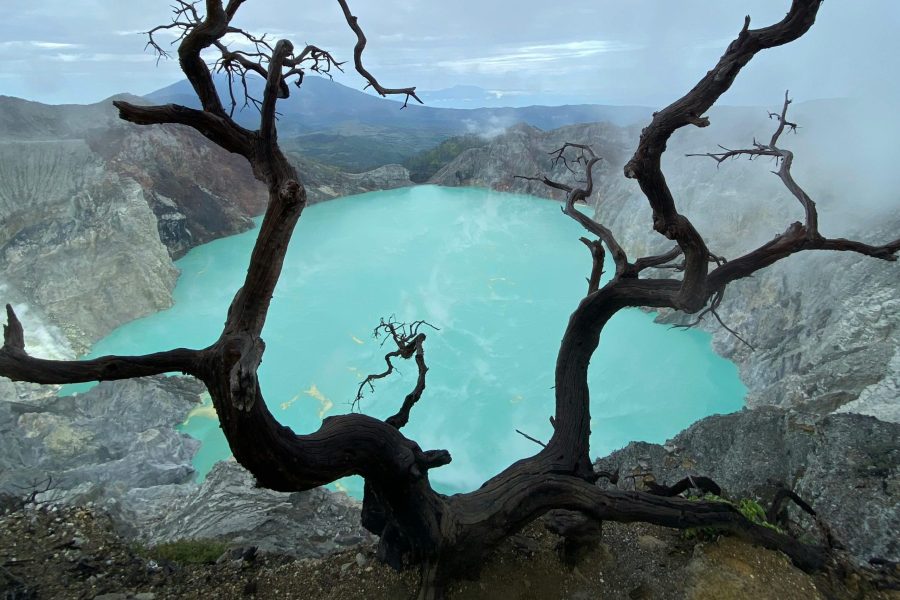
x,y
358,131
472,96
322,104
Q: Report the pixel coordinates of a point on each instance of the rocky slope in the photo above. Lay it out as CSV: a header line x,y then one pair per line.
x,y
826,328
115,447
117,436
845,465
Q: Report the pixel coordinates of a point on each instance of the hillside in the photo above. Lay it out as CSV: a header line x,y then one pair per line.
x,y
355,130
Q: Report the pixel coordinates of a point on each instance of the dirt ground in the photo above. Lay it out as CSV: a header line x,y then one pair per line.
x,y
76,553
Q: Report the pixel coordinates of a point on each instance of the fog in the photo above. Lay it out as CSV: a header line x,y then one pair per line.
x,y
644,52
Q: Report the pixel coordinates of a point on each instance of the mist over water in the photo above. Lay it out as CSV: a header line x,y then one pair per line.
x,y
498,274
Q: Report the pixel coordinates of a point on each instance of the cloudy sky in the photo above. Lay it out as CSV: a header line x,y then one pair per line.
x,y
644,52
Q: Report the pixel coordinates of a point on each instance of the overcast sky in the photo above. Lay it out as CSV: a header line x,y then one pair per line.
x,y
644,52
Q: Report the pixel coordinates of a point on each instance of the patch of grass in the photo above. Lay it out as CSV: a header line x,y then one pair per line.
x,y
186,552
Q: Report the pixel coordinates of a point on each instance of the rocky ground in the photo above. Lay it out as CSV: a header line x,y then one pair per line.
x,y
116,447
57,552
117,494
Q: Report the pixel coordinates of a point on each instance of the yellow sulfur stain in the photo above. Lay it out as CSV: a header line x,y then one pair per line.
x,y
289,403
357,340
340,487
516,399
204,411
325,403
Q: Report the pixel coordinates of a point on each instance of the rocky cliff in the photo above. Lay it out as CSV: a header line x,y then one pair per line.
x,y
825,327
94,210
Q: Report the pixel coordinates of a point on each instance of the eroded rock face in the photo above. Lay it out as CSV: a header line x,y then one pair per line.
x,y
228,507
325,182
93,210
846,466
117,436
79,243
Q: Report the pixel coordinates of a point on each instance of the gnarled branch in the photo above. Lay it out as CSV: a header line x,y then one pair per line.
x,y
645,165
797,237
17,365
410,343
408,92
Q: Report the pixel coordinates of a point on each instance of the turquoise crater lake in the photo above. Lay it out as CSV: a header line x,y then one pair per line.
x,y
499,274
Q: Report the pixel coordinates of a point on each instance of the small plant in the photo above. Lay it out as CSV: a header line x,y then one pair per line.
x,y
189,552
755,513
751,509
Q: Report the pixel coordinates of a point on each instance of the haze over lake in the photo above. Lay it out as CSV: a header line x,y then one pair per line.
x,y
498,274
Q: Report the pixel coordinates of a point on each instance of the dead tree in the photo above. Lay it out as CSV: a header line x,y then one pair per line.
x,y
444,536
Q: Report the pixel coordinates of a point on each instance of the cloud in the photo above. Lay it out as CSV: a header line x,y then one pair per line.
x,y
394,38
43,45
536,56
102,57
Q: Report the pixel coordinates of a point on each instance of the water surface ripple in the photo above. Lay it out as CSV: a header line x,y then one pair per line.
x,y
499,274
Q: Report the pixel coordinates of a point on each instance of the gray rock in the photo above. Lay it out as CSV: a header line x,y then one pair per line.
x,y
324,182
846,466
227,506
116,446
117,436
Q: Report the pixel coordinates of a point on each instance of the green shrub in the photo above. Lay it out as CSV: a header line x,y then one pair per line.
x,y
751,509
191,552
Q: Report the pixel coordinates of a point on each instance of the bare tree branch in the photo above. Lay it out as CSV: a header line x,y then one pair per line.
x,y
222,132
410,343
798,236
533,439
17,365
588,159
645,165
408,92
713,310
